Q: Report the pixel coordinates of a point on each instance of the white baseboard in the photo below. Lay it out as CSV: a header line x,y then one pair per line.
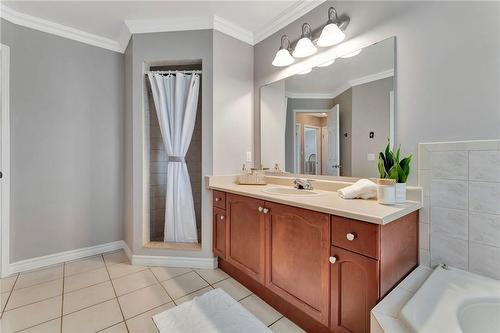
x,y
127,250
189,262
57,258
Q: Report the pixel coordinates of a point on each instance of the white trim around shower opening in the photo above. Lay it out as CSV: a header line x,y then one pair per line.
x,y
5,161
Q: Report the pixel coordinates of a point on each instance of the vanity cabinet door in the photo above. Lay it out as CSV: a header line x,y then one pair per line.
x,y
298,247
245,242
219,232
354,293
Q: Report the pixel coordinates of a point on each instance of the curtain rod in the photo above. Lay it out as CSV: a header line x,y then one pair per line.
x,y
174,72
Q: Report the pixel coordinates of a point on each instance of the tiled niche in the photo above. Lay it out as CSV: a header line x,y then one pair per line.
x,y
460,221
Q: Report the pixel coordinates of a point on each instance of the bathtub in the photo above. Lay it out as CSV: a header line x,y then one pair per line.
x,y
452,300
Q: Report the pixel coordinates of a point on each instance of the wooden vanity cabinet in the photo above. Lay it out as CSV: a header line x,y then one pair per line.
x,y
245,235
354,283
219,232
323,272
297,244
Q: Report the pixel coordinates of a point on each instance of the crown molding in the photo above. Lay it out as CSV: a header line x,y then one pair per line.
x,y
190,23
160,25
233,30
173,24
286,17
372,77
124,38
60,30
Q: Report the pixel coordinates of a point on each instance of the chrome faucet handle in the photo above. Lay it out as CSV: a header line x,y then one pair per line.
x,y
302,184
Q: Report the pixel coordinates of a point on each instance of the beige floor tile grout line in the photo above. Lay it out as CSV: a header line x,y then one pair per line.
x,y
116,295
62,299
8,297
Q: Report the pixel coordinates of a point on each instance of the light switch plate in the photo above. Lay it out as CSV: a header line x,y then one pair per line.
x,y
371,157
249,156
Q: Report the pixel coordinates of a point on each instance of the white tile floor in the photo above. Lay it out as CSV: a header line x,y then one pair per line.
x,y
104,293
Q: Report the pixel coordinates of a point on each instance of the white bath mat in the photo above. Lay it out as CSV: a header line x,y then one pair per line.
x,y
214,311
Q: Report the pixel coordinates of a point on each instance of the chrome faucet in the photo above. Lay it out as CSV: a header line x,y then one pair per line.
x,y
302,184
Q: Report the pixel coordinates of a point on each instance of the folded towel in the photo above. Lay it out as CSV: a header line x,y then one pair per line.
x,y
363,188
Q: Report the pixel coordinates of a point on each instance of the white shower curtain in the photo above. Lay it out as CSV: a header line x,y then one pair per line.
x,y
176,101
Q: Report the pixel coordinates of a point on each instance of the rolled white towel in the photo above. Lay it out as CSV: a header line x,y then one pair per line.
x,y
363,188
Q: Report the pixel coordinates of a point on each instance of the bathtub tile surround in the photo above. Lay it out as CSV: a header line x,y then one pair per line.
x,y
125,300
461,213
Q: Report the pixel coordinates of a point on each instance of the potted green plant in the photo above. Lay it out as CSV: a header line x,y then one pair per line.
x,y
390,166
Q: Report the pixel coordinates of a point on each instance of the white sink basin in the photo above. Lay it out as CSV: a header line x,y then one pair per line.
x,y
290,191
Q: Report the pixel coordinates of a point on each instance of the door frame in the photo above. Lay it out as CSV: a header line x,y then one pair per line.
x,y
319,147
295,111
5,161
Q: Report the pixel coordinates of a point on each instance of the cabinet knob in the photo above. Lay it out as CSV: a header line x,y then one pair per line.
x,y
261,209
265,210
222,217
217,199
350,236
332,259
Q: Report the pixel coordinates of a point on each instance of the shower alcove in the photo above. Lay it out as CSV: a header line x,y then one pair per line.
x,y
156,161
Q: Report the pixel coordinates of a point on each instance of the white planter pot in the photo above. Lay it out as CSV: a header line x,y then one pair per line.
x,y
386,194
400,192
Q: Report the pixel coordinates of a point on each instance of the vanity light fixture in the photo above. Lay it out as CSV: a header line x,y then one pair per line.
x,y
327,35
305,46
283,56
331,33
326,64
352,54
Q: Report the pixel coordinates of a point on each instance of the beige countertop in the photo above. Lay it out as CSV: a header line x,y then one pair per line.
x,y
327,202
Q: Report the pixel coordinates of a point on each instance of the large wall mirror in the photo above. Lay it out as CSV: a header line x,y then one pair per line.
x,y
333,120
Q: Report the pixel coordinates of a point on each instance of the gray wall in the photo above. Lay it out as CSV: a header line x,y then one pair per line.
x,y
370,112
344,101
233,103
67,151
153,47
128,210
446,89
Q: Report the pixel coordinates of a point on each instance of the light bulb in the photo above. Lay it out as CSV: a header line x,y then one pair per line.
x,y
326,64
330,35
304,48
283,58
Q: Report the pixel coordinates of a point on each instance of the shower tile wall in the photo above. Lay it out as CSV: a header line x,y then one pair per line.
x,y
460,221
157,177
158,172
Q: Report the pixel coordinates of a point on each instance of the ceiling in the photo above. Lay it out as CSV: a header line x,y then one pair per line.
x,y
250,21
374,62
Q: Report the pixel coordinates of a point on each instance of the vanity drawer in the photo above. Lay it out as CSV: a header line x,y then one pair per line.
x,y
219,199
356,236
